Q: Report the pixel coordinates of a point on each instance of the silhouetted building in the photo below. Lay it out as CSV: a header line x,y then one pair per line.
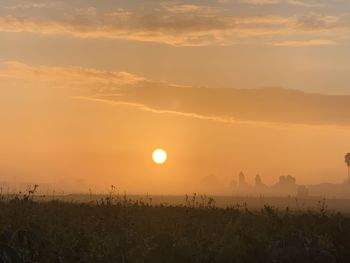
x,y
258,182
241,179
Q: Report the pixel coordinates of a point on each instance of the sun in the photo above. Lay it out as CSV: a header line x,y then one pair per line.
x,y
159,156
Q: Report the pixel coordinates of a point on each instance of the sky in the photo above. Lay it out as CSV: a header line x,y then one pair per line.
x,y
88,89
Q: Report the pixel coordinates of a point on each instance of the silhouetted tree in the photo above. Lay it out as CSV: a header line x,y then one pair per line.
x,y
290,179
347,160
286,180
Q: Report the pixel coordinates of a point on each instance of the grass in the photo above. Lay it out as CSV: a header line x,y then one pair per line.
x,y
116,229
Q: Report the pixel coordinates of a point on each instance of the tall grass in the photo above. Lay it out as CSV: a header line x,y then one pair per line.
x,y
118,229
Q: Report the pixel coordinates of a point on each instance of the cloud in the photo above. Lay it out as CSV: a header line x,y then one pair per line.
x,y
305,43
304,3
179,25
261,2
176,7
71,77
275,2
314,21
267,105
33,5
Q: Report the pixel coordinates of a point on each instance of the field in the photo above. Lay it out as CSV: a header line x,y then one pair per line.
x,y
251,202
118,229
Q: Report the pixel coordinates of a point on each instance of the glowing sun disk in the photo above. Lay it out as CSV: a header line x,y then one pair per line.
x,y
159,156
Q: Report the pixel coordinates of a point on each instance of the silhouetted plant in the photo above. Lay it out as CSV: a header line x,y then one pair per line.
x,y
347,161
119,229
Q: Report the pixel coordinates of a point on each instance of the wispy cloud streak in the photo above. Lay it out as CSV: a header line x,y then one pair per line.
x,y
269,105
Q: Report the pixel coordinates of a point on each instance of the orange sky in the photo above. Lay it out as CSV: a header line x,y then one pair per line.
x,y
88,89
